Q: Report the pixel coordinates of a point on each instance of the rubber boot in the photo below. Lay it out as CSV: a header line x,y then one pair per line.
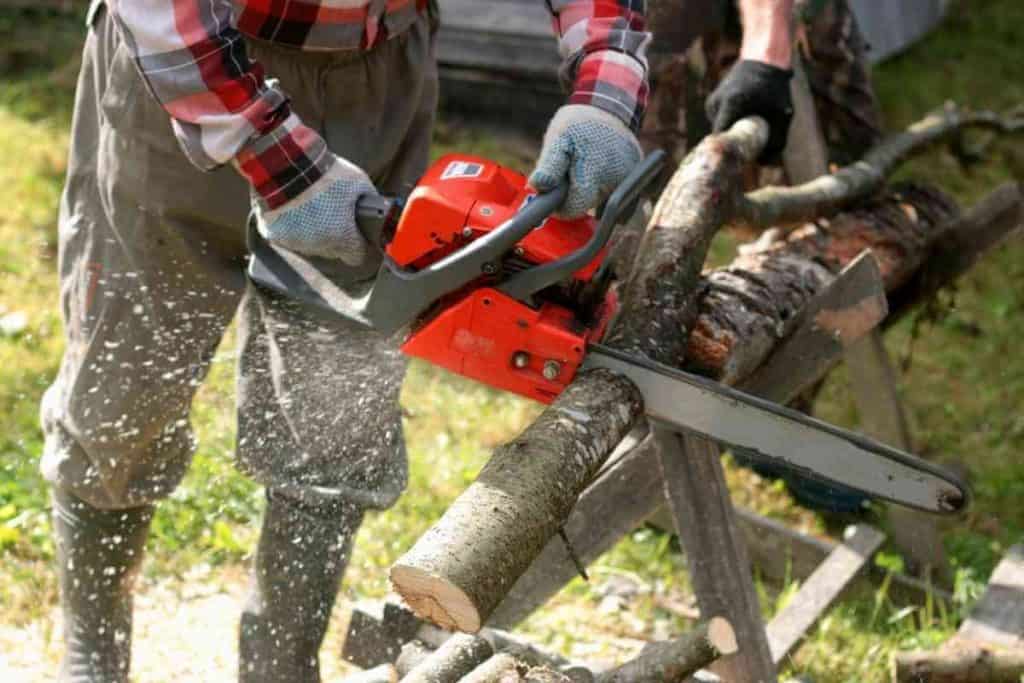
x,y
99,553
301,558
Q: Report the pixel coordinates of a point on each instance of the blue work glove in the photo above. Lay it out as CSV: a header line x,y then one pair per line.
x,y
593,149
322,220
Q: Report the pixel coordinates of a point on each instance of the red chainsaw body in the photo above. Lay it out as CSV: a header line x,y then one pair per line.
x,y
530,349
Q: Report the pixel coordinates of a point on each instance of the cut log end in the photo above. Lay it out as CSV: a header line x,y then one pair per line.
x,y
434,599
722,636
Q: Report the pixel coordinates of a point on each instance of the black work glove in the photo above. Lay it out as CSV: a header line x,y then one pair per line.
x,y
754,89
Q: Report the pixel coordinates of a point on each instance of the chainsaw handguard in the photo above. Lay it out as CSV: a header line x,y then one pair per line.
x,y
398,295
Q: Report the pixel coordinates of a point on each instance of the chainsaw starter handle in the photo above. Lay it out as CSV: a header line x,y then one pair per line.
x,y
621,202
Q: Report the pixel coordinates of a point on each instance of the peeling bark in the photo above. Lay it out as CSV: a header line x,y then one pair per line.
x,y
918,236
748,306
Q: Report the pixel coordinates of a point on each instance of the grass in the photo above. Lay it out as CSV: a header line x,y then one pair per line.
x,y
961,375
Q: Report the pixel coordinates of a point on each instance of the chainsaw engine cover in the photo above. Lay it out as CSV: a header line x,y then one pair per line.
x,y
532,348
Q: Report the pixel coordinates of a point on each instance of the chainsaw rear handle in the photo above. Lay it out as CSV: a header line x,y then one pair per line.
x,y
620,204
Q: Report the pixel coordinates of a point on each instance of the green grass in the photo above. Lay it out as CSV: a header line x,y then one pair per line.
x,y
963,382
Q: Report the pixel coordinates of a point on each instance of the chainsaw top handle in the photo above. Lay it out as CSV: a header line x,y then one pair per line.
x,y
400,295
620,205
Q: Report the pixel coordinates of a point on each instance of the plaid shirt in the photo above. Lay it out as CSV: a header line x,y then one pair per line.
x,y
224,110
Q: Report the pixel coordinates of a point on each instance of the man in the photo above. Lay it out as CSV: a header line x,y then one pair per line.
x,y
305,106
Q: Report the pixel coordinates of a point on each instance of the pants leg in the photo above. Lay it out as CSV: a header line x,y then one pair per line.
x,y
150,257
99,554
150,274
319,421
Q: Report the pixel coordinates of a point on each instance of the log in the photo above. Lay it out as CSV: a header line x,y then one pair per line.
x,y
675,659
385,673
750,305
823,196
975,664
459,655
458,572
501,668
379,633
659,295
413,654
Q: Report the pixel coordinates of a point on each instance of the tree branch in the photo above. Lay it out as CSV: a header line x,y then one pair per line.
x,y
773,206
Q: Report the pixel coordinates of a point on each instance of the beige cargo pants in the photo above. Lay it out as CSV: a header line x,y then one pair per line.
x,y
152,253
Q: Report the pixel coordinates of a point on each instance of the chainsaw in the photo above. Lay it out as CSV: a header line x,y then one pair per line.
x,y
481,278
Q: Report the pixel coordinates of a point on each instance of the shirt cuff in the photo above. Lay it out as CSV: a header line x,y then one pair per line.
x,y
284,162
613,81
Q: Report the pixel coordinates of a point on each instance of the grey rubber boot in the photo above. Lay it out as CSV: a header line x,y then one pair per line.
x,y
99,553
301,558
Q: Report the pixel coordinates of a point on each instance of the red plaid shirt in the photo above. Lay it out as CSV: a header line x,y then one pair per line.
x,y
223,109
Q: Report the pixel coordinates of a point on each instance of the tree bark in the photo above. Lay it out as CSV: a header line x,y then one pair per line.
x,y
659,296
971,664
458,572
459,655
672,660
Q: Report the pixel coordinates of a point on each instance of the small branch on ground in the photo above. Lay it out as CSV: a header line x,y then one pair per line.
x,y
673,660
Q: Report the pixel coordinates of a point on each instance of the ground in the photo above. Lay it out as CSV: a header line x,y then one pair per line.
x,y
960,371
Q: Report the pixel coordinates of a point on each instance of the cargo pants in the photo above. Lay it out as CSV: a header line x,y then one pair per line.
x,y
152,255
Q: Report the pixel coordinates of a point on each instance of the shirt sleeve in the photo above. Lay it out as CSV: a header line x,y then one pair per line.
x,y
603,44
223,109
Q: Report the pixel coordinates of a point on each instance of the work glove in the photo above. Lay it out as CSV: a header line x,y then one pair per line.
x,y
322,220
591,148
754,88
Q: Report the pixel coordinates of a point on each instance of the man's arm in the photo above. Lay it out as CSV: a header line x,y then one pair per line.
x,y
603,45
758,85
194,61
591,141
767,31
